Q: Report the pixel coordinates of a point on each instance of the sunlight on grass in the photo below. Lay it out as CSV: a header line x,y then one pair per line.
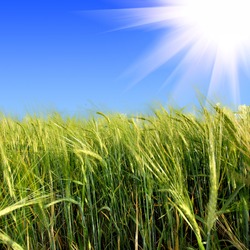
x,y
166,181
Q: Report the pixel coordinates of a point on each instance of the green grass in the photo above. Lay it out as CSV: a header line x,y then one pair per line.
x,y
166,181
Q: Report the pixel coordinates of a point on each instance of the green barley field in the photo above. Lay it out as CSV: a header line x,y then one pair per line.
x,y
169,180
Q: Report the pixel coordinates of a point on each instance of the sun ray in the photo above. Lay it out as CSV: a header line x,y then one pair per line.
x,y
214,33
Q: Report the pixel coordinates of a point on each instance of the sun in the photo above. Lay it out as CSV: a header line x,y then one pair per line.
x,y
213,37
223,23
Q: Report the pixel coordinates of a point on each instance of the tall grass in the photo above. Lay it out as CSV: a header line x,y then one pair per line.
x,y
166,181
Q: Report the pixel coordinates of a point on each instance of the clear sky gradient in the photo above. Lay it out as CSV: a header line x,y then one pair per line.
x,y
54,55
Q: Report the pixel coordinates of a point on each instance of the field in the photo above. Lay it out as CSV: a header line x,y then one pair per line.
x,y
170,180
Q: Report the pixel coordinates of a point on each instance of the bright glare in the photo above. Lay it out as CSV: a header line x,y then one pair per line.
x,y
225,23
212,37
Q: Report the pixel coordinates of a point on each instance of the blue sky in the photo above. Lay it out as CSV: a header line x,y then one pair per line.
x,y
56,56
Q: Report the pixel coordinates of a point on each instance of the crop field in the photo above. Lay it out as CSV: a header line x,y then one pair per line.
x,y
169,180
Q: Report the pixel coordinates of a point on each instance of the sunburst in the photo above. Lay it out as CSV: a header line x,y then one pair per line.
x,y
213,37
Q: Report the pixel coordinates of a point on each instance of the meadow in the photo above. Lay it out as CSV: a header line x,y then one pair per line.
x,y
170,180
